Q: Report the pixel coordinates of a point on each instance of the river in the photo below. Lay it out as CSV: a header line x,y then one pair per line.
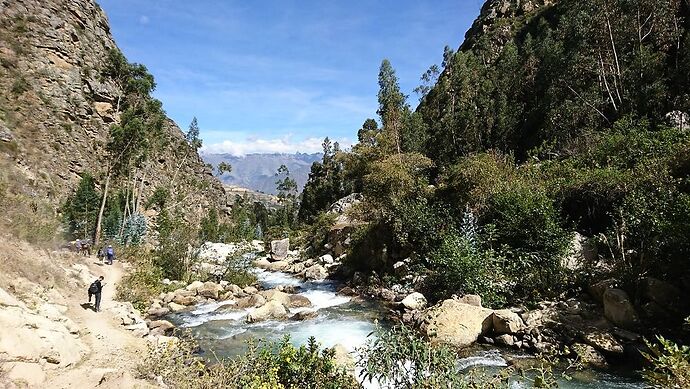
x,y
341,320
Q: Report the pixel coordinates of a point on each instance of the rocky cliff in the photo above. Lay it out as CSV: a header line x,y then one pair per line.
x,y
56,106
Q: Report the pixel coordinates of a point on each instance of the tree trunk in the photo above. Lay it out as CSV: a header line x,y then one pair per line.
x,y
97,234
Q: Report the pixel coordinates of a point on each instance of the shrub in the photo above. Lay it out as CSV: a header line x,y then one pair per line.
x,y
670,364
522,222
460,267
264,366
143,282
238,269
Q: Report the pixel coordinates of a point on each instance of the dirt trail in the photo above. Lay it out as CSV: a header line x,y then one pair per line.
x,y
115,352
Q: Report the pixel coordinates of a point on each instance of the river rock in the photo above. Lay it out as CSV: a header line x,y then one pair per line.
x,y
326,259
161,327
195,286
276,295
297,268
138,329
174,307
603,341
210,290
299,301
184,300
414,301
590,356
456,323
505,340
279,249
262,263
278,266
271,310
305,315
250,290
316,272
619,309
234,289
255,300
506,321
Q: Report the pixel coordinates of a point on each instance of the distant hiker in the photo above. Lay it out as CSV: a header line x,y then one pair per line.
x,y
101,254
77,246
110,253
95,290
85,248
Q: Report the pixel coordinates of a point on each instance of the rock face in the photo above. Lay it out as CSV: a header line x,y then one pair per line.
x,y
456,323
619,309
59,106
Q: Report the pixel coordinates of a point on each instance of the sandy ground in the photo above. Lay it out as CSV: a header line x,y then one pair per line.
x,y
115,352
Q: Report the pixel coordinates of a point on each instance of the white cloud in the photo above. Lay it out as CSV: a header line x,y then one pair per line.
x,y
276,145
143,19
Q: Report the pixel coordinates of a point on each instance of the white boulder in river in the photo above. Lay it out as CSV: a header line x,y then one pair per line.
x,y
271,310
456,323
414,301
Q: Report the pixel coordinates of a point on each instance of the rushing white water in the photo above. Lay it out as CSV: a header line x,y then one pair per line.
x,y
340,320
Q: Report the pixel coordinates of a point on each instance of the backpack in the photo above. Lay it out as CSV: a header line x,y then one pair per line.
x,y
93,289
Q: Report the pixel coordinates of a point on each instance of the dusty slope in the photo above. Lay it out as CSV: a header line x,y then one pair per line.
x,y
50,338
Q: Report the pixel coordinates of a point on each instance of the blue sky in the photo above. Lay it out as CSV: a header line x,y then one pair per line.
x,y
280,75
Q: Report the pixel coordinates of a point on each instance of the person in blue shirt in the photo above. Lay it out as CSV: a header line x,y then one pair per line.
x,y
110,254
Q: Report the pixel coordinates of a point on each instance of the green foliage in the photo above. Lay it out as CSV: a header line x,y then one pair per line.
x,y
174,254
264,366
81,208
461,267
192,135
238,269
326,184
159,197
670,364
223,168
141,284
134,230
20,85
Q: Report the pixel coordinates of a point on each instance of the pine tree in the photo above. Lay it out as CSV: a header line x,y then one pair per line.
x,y
192,135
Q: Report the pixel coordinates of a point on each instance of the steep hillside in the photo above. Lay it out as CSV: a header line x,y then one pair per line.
x,y
258,171
58,103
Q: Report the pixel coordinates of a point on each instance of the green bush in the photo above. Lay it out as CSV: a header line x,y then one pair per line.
x,y
238,269
523,225
264,366
143,282
460,267
670,364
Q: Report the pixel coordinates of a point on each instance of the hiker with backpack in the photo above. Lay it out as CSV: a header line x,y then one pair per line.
x,y
95,290
110,254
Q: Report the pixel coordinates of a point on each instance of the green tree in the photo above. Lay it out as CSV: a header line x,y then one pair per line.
x,y
81,208
192,135
392,108
223,168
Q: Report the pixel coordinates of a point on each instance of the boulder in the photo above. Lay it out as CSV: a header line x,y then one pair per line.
x,y
400,269
250,290
138,329
316,272
305,315
298,301
619,310
163,326
234,289
276,295
258,245
414,301
506,321
603,341
195,286
262,263
326,259
471,299
297,268
279,266
279,249
455,323
158,312
31,374
255,300
580,252
271,310
184,300
386,294
210,290
590,356
666,295
174,307
505,340
597,290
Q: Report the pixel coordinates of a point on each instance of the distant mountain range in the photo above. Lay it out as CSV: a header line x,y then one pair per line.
x,y
258,171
